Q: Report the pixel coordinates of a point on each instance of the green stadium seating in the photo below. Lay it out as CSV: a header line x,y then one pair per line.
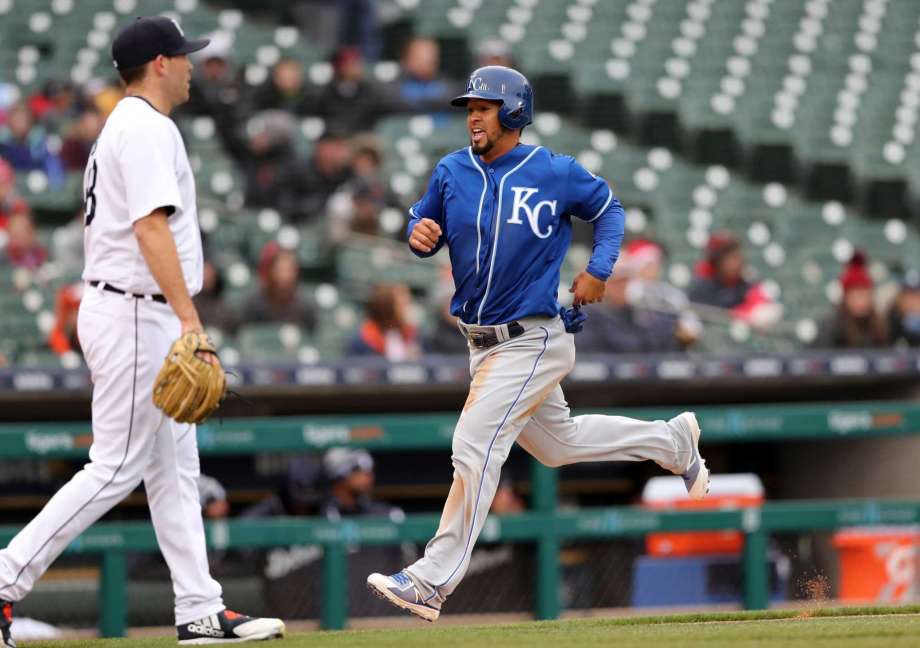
x,y
750,115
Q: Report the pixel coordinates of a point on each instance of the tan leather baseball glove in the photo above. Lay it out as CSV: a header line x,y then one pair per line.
x,y
188,389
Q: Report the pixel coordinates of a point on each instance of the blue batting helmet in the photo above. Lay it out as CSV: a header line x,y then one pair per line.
x,y
510,87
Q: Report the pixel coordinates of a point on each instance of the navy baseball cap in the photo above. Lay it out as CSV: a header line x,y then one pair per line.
x,y
146,38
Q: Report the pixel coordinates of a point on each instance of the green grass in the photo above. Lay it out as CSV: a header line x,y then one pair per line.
x,y
818,628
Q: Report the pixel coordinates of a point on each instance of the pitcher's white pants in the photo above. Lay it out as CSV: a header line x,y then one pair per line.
x,y
124,342
515,396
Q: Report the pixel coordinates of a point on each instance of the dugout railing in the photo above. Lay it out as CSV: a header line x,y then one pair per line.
x,y
111,541
546,527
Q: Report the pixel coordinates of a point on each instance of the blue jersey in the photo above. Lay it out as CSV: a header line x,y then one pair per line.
x,y
508,225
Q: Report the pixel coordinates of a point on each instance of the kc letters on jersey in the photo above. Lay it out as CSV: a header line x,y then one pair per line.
x,y
522,196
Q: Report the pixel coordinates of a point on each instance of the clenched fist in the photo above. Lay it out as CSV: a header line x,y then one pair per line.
x,y
588,289
425,235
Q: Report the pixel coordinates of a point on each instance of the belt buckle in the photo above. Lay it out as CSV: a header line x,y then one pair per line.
x,y
477,338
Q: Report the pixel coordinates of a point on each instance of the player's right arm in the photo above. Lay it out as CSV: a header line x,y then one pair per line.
x,y
424,236
424,231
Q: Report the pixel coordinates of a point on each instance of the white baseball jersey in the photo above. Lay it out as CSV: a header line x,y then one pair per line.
x,y
138,164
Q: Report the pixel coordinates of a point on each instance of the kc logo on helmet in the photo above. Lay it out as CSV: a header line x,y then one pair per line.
x,y
521,196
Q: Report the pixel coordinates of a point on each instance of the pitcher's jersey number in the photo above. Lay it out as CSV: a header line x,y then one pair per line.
x,y
89,200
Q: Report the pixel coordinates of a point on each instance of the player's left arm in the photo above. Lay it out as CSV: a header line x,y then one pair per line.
x,y
145,155
158,247
591,199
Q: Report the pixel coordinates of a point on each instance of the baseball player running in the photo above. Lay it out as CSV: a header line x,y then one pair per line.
x,y
504,210
143,261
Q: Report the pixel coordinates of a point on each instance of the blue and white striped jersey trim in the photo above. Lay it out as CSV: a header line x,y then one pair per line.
x,y
498,222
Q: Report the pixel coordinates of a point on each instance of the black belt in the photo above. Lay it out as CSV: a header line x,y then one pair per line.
x,y
484,339
118,291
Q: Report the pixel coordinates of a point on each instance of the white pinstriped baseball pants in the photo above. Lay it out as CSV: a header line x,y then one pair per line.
x,y
515,396
124,341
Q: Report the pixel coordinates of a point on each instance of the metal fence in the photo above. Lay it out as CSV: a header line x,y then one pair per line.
x,y
548,530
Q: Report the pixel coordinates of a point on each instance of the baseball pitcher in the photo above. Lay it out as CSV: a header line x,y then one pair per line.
x,y
504,211
143,263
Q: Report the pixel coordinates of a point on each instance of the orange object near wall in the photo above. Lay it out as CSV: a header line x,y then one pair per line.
x,y
727,492
878,565
699,542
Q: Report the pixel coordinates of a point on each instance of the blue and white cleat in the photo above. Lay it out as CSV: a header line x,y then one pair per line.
x,y
696,477
399,590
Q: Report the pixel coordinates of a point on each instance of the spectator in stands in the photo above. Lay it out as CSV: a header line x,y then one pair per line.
x,y
67,246
22,248
904,316
215,85
420,83
352,103
217,91
387,331
328,170
444,337
350,476
367,166
271,167
283,91
24,144
623,322
367,158
57,104
63,338
80,139
212,307
9,200
856,322
720,283
277,299
361,213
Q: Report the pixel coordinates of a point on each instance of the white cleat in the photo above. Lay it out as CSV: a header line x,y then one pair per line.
x,y
399,590
696,477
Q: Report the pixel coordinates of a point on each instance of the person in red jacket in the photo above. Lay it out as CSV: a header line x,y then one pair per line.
x,y
720,282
